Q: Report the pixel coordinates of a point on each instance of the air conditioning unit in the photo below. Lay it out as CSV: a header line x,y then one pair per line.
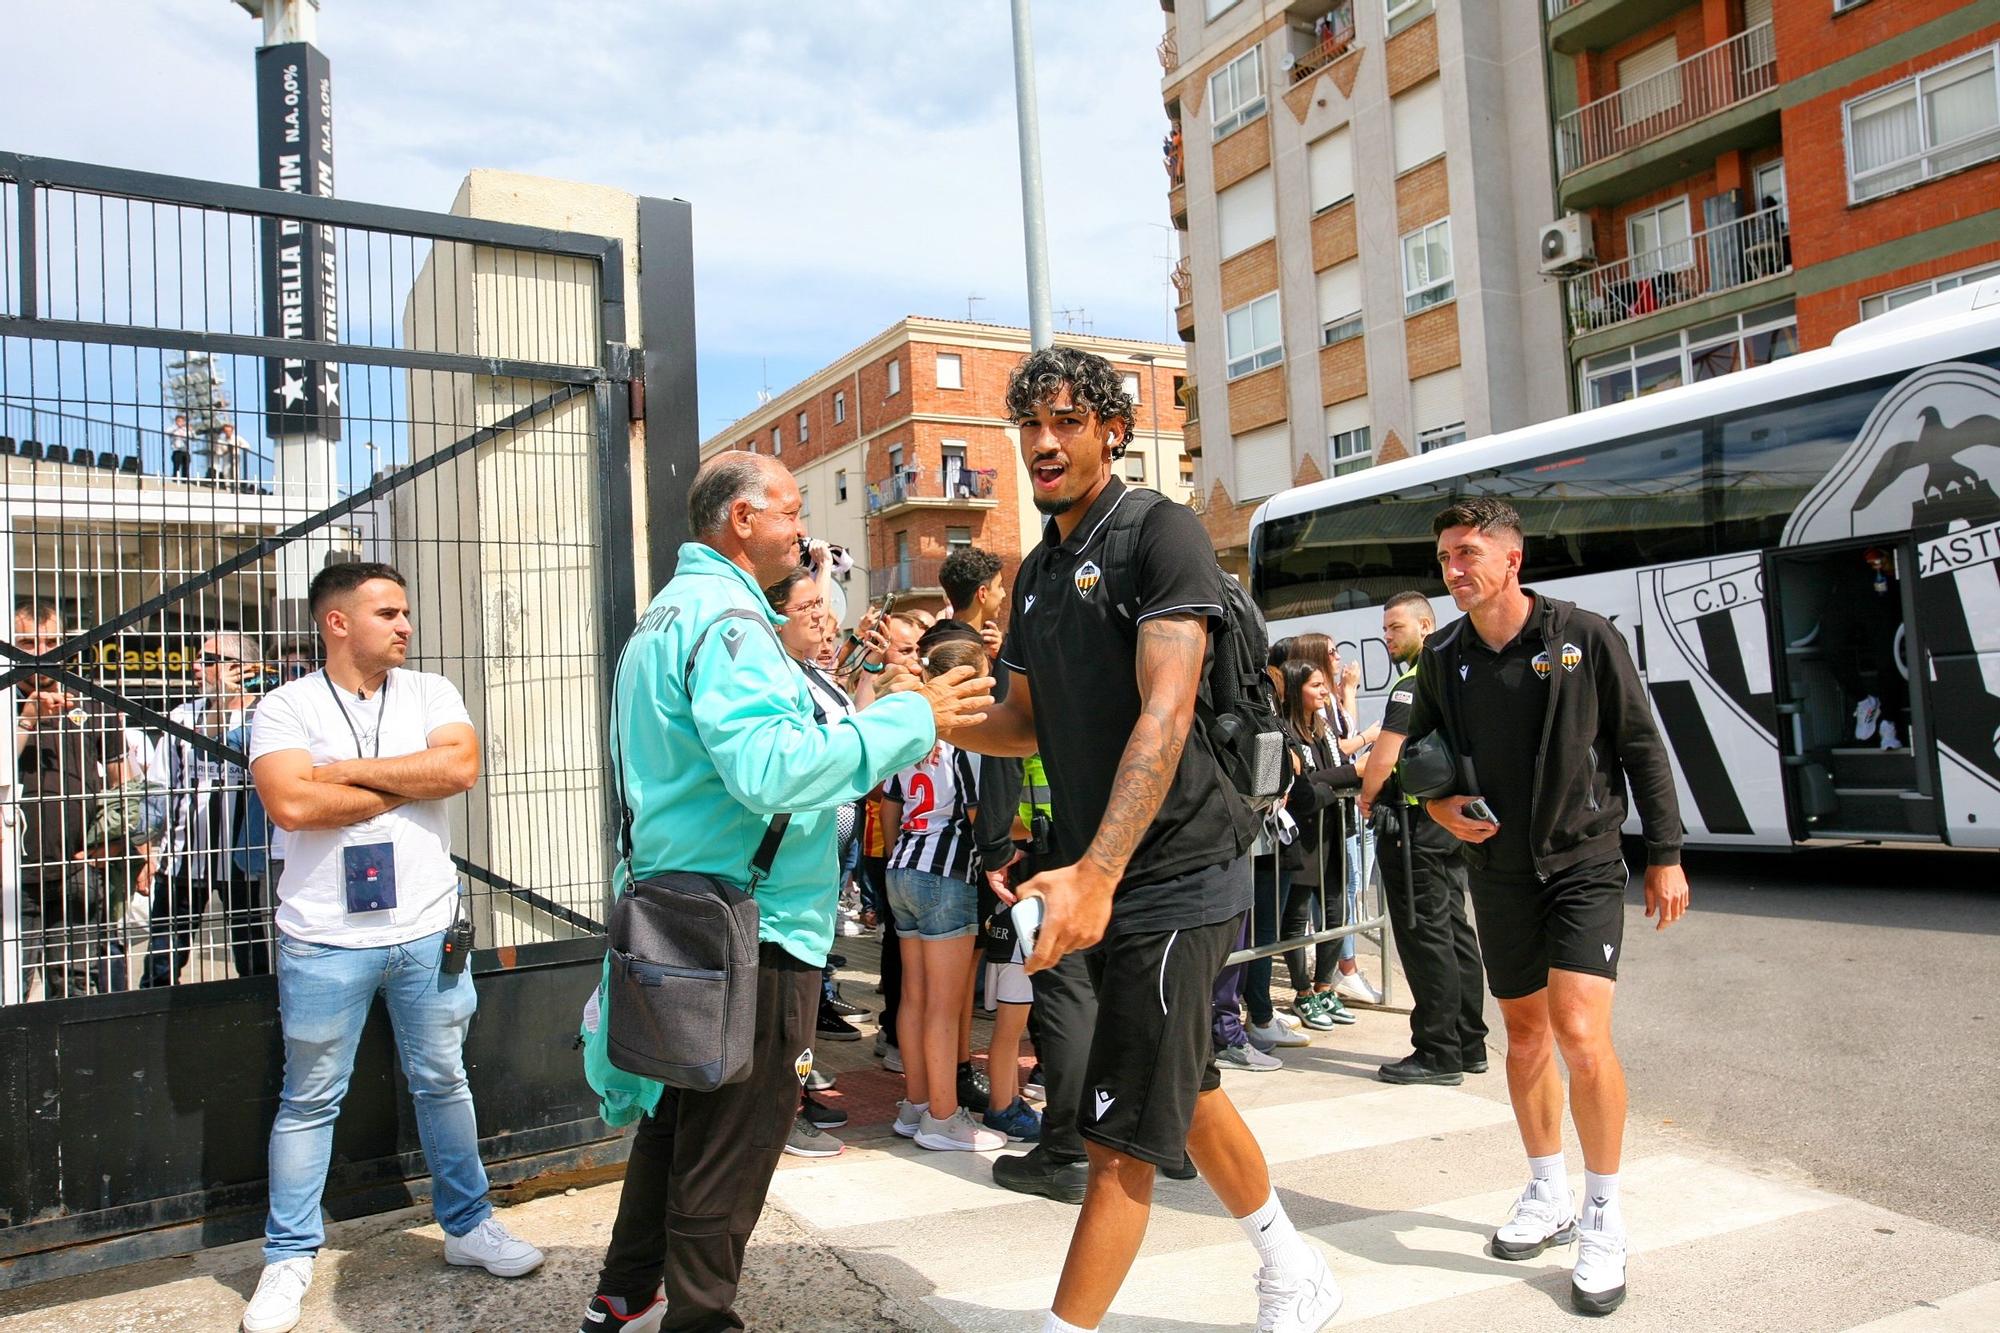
x,y
1566,244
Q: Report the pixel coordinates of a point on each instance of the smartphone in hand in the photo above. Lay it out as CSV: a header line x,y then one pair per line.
x,y
1476,808
1027,918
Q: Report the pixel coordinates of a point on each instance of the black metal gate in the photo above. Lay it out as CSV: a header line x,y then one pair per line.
x,y
163,512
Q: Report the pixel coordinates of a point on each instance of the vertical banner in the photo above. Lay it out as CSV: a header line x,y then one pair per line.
x,y
301,280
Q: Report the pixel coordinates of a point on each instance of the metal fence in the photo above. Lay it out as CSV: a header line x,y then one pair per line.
x,y
174,476
1716,259
1340,897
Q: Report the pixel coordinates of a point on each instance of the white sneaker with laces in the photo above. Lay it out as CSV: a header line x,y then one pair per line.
x,y
1866,714
492,1247
274,1306
960,1133
1540,1218
1275,1033
1597,1286
1354,986
1287,1304
909,1118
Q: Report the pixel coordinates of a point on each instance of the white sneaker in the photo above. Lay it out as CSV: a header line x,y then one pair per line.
x,y
1890,741
961,1133
1866,714
1297,1304
1354,986
1541,1218
909,1118
274,1306
893,1061
1275,1033
1597,1286
492,1247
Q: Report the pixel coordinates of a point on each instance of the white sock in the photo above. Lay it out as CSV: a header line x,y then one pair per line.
x,y
1276,1239
1551,1173
1053,1324
1600,1195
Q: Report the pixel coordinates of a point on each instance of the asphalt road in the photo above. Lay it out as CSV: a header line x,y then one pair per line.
x,y
1837,1010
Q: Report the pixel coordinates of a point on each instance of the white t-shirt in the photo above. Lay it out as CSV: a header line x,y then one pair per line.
x,y
312,897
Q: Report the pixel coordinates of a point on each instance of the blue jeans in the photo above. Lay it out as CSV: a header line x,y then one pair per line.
x,y
324,994
1354,887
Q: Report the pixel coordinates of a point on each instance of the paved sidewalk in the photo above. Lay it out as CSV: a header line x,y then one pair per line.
x,y
1399,1186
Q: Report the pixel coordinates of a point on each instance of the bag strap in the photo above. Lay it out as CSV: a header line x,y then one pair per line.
x,y
767,850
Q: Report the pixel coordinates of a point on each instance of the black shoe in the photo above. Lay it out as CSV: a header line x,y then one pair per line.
x,y
832,1027
1035,1087
1416,1069
974,1092
610,1312
820,1114
1473,1059
843,1008
1185,1171
836,961
1038,1173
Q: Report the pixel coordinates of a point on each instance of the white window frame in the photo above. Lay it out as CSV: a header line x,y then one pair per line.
x,y
840,486
957,537
805,502
957,370
1926,150
1135,466
895,378
1757,177
839,407
1350,450
1749,324
1252,359
1129,380
1187,472
1212,10
1896,299
805,428
777,441
1436,291
1676,256
1400,14
1440,437
1240,112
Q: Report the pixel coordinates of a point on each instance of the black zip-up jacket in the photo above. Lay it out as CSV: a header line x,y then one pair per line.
x,y
1597,734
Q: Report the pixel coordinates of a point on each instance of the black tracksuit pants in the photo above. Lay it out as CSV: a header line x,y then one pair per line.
x,y
1435,940
702,1163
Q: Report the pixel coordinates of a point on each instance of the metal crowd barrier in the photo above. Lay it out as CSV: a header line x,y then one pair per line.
x,y
1371,906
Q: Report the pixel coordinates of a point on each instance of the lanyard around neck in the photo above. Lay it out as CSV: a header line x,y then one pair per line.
x,y
381,707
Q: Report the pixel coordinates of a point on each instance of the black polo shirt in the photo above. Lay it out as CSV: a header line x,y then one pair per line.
x,y
1079,655
1504,699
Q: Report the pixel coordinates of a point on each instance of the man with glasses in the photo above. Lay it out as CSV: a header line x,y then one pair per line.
x,y
208,817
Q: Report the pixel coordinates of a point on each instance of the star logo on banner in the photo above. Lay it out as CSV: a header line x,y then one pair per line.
x,y
292,390
329,390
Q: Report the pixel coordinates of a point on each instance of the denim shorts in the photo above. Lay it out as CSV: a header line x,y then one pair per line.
x,y
932,907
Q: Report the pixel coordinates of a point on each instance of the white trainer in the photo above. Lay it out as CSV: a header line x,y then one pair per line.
x,y
1297,1304
1353,986
909,1118
274,1306
1540,1218
960,1133
1866,714
492,1247
1597,1286
1275,1033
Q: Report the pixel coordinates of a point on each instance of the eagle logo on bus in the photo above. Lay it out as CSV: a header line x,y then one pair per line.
x,y
1087,577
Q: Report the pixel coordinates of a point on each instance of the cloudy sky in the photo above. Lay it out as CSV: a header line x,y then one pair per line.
x,y
848,164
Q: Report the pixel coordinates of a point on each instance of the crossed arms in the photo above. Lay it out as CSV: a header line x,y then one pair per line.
x,y
297,795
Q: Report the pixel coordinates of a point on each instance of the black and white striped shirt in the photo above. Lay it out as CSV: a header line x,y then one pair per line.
x,y
937,795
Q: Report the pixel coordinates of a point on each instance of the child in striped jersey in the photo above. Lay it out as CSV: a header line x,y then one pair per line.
x,y
932,869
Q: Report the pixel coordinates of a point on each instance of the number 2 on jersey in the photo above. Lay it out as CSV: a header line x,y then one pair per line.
x,y
925,793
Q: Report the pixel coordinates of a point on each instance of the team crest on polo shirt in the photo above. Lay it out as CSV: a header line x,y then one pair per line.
x,y
1572,657
1541,665
1087,577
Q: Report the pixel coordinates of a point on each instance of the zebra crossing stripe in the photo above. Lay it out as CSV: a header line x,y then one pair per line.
x,y
1976,1310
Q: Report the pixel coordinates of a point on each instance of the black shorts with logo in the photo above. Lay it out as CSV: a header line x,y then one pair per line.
x,y
1151,1054
1575,921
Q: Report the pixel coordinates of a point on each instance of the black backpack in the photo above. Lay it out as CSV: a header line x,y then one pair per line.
x,y
1237,707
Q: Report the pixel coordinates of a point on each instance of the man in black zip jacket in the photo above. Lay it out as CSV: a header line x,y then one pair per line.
x,y
1542,705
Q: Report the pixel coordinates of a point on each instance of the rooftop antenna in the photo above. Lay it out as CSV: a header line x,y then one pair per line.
x,y
764,395
1077,316
971,299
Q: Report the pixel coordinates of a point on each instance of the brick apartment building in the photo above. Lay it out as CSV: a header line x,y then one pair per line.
x,y
1358,186
903,448
1746,178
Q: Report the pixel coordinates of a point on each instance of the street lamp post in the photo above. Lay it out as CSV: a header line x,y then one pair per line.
x,y
1153,395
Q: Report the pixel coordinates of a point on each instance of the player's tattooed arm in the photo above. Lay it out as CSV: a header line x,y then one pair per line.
x,y
1171,650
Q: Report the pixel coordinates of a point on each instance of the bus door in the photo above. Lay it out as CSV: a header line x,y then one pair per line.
x,y
1854,724
1705,654
1957,603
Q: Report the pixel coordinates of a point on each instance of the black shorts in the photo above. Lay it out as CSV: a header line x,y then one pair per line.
x,y
1576,922
1151,1054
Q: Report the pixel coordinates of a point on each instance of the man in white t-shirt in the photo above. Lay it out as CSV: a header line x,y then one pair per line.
x,y
356,762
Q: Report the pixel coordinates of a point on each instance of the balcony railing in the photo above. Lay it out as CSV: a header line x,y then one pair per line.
x,y
1333,34
1170,52
903,576
1183,281
1709,81
1556,7
941,486
1743,251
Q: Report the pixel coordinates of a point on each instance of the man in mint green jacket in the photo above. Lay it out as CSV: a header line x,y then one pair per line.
x,y
716,735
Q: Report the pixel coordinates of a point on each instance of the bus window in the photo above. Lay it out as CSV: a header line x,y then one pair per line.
x,y
1618,506
1353,556
1772,456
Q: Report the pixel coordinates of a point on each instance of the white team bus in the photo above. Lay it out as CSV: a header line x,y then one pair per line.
x,y
1804,558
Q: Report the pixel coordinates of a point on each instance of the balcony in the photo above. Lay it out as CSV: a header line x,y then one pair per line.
x,y
1332,37
1169,51
1728,74
953,486
1575,26
1735,254
906,576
